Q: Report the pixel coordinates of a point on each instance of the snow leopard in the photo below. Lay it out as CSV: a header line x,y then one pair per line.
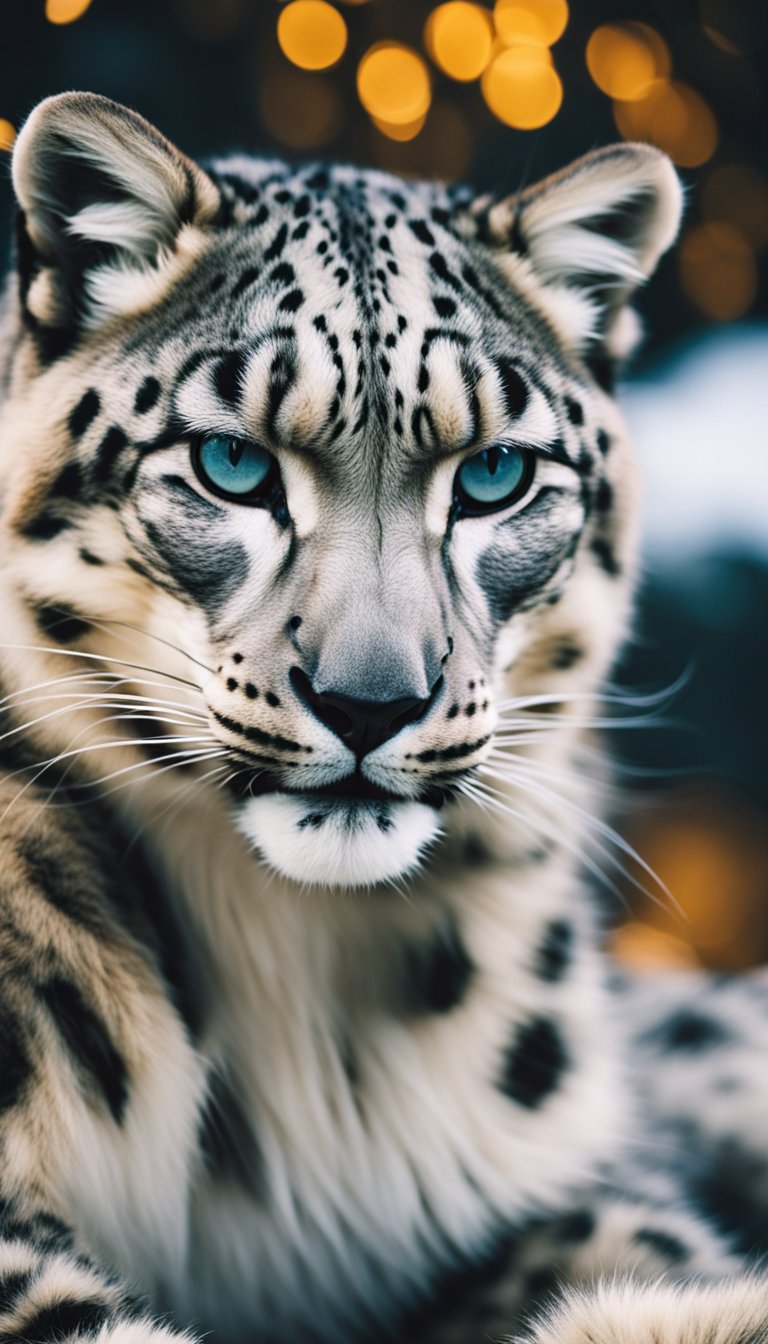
x,y
319,538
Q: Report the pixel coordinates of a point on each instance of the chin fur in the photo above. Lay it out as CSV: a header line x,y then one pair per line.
x,y
338,844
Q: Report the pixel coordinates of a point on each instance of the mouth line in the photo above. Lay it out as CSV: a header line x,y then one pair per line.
x,y
351,789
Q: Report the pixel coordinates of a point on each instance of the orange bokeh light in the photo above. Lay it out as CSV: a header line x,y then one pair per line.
x,y
536,22
406,131
442,149
65,11
7,134
625,58
312,34
299,109
718,271
737,194
393,84
522,87
674,117
459,38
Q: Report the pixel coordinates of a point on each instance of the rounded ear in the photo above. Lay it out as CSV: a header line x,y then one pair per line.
x,y
594,232
98,185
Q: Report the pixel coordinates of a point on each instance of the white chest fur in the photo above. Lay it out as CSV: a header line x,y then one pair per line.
x,y
379,1139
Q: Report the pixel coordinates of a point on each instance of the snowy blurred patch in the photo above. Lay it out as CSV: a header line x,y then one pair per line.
x,y
700,425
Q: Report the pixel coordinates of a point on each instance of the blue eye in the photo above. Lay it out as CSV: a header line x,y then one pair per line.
x,y
234,468
493,478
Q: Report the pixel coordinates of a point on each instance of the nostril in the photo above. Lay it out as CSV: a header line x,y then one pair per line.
x,y
417,711
330,714
363,725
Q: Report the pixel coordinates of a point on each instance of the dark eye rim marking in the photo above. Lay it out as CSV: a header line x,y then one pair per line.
x,y
262,495
464,506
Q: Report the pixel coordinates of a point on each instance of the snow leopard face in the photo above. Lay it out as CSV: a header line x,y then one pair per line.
x,y
346,441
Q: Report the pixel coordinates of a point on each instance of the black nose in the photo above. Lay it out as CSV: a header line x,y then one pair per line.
x,y
362,725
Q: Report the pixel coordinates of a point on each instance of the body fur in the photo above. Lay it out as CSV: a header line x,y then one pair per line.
x,y
307,1026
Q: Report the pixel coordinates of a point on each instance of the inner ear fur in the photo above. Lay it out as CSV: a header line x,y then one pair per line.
x,y
98,185
591,234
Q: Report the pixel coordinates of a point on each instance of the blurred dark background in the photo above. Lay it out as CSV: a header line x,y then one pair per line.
x,y
500,95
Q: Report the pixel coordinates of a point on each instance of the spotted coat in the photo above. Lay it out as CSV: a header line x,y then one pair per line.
x,y
306,1029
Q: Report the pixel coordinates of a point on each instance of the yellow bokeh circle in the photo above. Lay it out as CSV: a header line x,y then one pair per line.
x,y
625,58
459,38
7,134
674,117
522,88
402,133
65,11
538,22
718,270
312,34
393,84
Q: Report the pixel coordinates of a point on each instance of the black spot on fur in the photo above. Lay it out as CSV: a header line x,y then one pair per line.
x,y
12,1286
257,735
566,655
603,441
291,302
45,526
554,955
440,267
84,413
422,231
313,820
15,1065
438,976
664,1244
604,554
227,1140
579,1225
88,1041
250,690
574,411
514,388
282,274
603,497
147,395
228,377
272,699
88,558
444,307
688,1030
535,1063
249,276
275,248
64,1320
68,483
107,453
61,626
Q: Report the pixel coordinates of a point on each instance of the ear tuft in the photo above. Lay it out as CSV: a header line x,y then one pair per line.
x,y
97,184
597,228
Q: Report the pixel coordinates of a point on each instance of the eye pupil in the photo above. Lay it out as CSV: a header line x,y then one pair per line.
x,y
235,451
493,478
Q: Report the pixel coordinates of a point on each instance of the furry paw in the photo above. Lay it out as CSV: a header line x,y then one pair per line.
x,y
732,1312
